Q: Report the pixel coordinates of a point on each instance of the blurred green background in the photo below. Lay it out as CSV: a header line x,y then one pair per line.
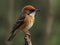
x,y
46,30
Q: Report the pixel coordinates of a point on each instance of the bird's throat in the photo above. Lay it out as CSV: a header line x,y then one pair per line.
x,y
32,14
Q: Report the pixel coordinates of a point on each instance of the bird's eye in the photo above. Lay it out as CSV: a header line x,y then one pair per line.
x,y
32,10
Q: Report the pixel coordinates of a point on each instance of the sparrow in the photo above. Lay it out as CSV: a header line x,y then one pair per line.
x,y
25,20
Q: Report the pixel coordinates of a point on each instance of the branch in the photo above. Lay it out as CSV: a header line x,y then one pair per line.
x,y
27,39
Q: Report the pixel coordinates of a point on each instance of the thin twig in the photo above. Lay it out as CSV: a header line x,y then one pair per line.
x,y
27,39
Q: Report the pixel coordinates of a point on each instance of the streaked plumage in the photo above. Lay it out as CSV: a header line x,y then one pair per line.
x,y
25,21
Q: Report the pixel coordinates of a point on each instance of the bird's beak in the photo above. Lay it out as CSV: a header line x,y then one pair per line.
x,y
37,10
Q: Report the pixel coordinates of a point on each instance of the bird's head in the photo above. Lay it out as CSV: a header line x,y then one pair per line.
x,y
30,10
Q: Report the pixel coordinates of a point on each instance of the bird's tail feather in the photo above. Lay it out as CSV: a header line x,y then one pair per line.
x,y
11,37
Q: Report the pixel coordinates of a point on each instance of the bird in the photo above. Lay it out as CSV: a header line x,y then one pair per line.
x,y
25,21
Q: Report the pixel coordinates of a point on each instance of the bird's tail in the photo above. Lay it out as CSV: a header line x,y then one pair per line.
x,y
11,37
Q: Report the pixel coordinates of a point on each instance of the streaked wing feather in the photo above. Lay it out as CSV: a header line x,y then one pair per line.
x,y
19,22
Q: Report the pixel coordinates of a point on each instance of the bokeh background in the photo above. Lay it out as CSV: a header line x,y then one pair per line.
x,y
46,30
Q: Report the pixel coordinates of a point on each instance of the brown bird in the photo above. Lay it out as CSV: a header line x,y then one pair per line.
x,y
25,21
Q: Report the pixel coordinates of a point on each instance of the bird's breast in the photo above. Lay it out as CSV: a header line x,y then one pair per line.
x,y
28,23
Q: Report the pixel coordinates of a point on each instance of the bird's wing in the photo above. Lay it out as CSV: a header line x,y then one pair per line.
x,y
19,22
